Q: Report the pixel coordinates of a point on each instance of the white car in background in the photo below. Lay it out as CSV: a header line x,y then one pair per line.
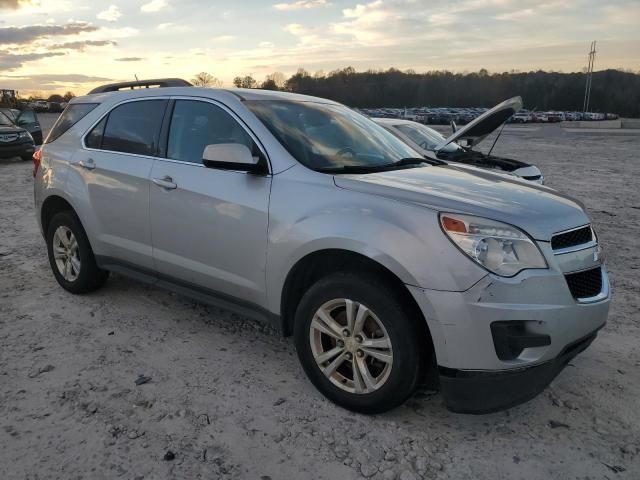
x,y
432,144
522,117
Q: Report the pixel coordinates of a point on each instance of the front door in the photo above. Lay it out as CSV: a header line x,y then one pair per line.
x,y
209,226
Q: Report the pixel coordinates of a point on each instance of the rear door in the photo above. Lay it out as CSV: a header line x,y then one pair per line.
x,y
209,226
115,164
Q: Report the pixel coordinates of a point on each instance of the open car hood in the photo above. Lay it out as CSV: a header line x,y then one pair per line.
x,y
475,131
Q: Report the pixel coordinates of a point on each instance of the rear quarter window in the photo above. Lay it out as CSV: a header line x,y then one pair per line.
x,y
71,115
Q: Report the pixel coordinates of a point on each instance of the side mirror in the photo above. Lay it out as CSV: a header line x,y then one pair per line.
x,y
230,156
454,127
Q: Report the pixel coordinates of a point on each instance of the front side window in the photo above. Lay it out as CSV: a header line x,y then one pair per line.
x,y
27,117
134,127
5,121
71,115
327,136
196,124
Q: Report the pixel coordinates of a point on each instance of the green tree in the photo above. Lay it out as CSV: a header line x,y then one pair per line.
x,y
245,82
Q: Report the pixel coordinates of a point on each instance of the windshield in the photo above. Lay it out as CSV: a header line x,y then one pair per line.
x,y
5,121
426,137
323,136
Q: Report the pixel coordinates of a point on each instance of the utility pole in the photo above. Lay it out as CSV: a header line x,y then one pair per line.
x,y
587,87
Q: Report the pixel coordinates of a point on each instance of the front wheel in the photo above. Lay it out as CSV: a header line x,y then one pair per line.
x,y
357,344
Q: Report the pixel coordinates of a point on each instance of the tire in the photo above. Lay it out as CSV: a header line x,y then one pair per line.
x,y
25,158
397,379
83,277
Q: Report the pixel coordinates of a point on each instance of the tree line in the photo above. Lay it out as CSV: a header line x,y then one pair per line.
x,y
612,91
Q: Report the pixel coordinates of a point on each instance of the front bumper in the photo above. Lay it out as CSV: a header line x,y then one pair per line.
x,y
16,150
473,375
489,391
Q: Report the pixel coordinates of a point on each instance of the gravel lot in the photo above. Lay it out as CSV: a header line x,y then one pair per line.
x,y
228,398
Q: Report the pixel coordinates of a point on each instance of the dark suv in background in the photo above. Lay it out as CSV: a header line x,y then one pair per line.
x,y
14,140
26,119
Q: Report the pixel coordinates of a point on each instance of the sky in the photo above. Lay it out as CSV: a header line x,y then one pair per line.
x,y
51,46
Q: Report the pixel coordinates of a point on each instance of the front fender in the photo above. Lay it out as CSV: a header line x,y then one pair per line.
x,y
404,238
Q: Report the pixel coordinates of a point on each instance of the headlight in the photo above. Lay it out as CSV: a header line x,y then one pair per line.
x,y
24,135
500,248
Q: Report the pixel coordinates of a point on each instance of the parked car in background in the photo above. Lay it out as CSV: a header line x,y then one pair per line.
x,y
387,268
26,119
432,144
555,117
540,117
14,140
522,117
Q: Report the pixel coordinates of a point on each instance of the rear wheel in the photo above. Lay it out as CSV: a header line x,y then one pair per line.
x,y
70,255
357,343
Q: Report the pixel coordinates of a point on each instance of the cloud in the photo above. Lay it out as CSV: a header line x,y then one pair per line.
x,y
12,4
164,26
26,35
154,6
64,77
10,61
527,12
223,39
129,59
111,14
301,5
81,45
50,82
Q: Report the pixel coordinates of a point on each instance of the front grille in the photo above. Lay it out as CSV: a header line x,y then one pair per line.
x,y
8,137
572,238
585,284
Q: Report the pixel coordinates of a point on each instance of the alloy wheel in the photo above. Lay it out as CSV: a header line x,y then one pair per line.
x,y
351,346
66,253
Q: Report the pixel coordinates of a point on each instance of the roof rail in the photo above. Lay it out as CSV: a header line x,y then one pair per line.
x,y
158,82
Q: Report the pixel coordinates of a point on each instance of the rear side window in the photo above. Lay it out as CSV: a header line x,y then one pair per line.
x,y
71,115
133,127
94,137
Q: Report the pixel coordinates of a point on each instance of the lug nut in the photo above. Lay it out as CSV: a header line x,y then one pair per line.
x,y
349,356
360,353
345,333
340,343
359,338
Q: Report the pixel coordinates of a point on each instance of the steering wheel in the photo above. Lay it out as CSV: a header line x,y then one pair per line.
x,y
346,152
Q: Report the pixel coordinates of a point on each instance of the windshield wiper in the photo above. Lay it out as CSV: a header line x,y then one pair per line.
x,y
385,167
354,169
417,161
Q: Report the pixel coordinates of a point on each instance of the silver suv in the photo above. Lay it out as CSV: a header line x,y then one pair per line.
x,y
389,270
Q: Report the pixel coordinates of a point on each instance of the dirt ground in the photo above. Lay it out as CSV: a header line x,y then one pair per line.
x,y
228,398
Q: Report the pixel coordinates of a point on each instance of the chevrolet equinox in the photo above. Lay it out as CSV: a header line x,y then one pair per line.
x,y
389,269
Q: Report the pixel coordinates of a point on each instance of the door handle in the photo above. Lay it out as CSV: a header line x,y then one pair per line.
x,y
165,182
89,164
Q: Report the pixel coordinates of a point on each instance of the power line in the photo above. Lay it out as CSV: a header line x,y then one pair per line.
x,y
587,87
